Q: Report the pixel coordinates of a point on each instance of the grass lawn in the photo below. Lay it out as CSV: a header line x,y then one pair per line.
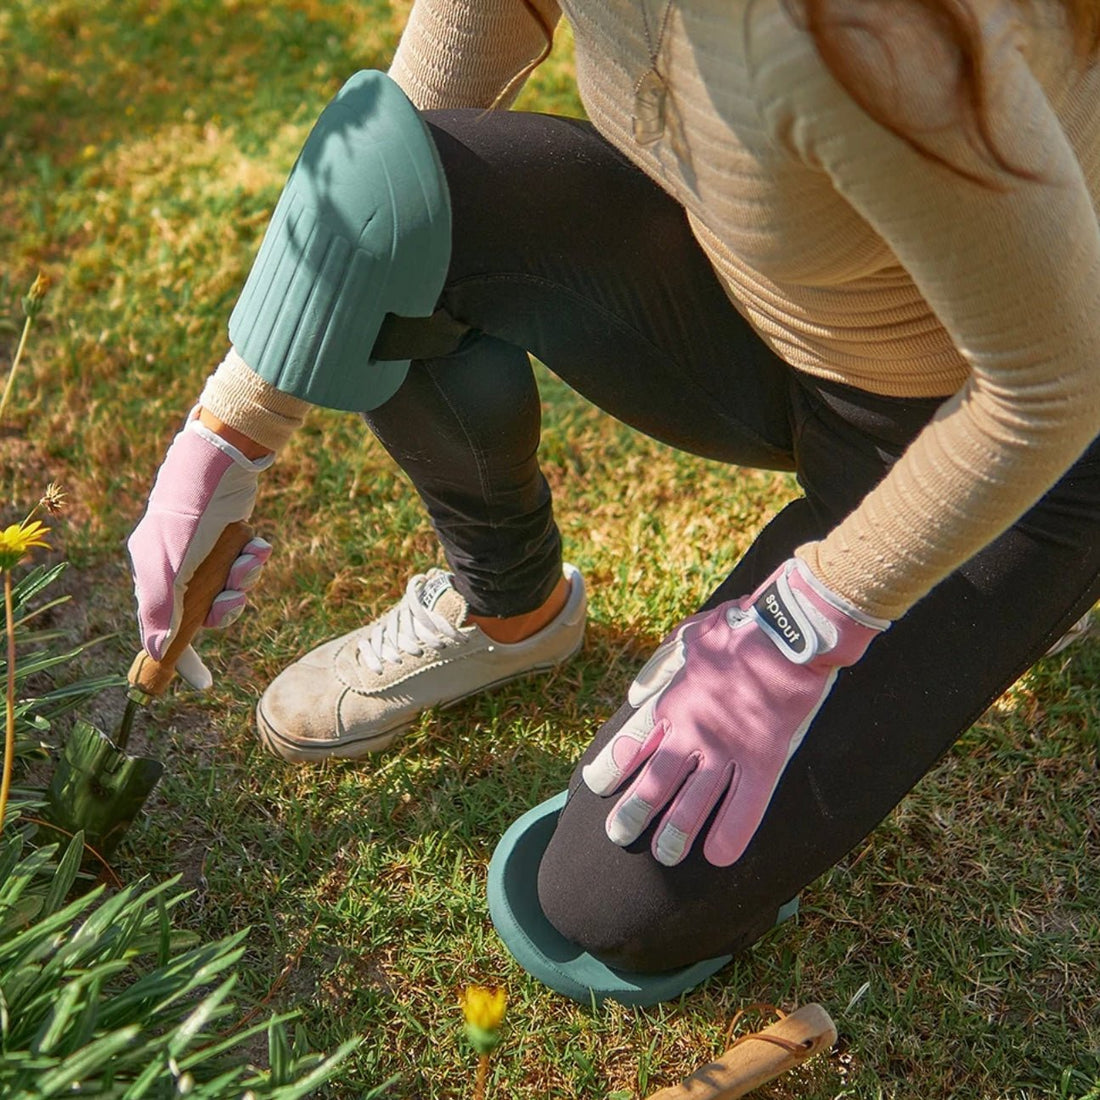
x,y
143,144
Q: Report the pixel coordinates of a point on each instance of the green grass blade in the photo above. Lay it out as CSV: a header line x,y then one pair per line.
x,y
33,943
321,1074
34,582
184,1035
65,1006
10,855
164,937
86,1061
65,875
234,1039
278,1052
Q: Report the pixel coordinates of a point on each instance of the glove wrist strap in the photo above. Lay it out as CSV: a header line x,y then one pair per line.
x,y
200,429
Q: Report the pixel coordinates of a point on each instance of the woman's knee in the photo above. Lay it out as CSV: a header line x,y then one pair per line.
x,y
611,928
629,911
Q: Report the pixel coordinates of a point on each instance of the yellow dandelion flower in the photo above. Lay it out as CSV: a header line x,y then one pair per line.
x,y
17,541
32,300
484,1012
483,1007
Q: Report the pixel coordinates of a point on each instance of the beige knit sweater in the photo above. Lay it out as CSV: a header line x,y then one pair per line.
x,y
856,258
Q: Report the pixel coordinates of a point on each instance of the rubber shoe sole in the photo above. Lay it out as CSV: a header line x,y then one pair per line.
x,y
357,746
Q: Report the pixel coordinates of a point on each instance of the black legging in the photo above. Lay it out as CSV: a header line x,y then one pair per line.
x,y
564,249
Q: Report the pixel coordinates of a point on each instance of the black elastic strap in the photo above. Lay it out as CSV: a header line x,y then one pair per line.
x,y
419,337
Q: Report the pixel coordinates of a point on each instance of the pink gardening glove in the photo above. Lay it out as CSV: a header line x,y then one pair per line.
x,y
722,707
204,484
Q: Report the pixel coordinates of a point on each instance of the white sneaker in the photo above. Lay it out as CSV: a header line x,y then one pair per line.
x,y
355,694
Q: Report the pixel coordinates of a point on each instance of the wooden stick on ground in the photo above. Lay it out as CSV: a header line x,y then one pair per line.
x,y
757,1058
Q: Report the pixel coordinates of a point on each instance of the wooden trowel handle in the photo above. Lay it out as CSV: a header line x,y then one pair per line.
x,y
749,1064
152,676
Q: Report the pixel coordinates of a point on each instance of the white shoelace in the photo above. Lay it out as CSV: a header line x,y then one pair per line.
x,y
407,628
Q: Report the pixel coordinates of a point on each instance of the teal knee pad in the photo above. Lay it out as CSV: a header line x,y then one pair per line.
x,y
362,229
545,953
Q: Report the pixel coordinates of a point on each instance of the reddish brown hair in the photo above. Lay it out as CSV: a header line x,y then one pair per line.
x,y
961,27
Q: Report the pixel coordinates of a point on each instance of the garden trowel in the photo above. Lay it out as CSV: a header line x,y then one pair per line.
x,y
97,787
758,1057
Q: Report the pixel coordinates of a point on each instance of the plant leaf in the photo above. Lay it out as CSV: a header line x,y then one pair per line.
x,y
278,1052
65,875
85,1061
53,1027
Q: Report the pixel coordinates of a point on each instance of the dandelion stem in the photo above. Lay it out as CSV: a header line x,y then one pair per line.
x,y
9,729
14,366
482,1077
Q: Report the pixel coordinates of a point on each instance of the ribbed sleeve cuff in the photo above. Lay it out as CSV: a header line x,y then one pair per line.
x,y
239,397
856,584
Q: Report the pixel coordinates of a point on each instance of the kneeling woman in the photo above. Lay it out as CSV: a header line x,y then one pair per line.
x,y
856,241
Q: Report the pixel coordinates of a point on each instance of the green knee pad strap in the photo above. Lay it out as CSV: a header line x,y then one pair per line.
x,y
362,229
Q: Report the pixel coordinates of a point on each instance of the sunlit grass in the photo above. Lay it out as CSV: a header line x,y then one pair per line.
x,y
143,144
